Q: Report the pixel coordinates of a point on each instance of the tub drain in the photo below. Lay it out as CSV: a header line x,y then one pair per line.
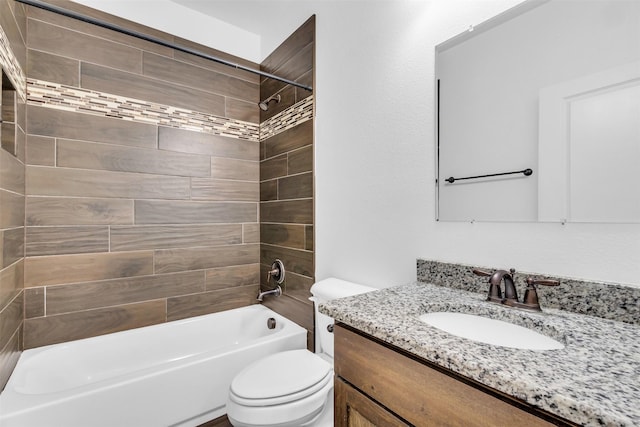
x,y
271,323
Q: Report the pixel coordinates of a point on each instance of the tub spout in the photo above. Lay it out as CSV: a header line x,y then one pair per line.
x,y
276,292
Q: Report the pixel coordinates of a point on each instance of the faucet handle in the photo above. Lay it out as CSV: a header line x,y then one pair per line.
x,y
545,282
530,299
495,294
479,272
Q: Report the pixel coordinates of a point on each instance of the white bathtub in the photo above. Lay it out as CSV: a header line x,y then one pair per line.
x,y
173,374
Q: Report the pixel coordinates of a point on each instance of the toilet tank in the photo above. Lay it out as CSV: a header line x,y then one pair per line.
x,y
326,290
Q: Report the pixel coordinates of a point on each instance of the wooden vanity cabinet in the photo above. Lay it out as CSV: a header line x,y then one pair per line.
x,y
377,385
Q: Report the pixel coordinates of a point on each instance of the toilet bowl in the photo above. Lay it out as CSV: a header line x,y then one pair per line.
x,y
292,388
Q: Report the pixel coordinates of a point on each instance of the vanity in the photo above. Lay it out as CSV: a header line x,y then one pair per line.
x,y
393,369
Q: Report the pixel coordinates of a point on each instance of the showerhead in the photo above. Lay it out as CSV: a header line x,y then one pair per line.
x,y
264,105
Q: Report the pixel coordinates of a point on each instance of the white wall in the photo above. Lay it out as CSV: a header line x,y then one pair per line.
x,y
375,159
375,200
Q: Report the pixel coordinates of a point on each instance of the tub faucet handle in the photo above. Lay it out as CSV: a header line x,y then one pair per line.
x,y
276,271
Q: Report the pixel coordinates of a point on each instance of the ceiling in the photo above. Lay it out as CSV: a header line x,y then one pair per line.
x,y
272,20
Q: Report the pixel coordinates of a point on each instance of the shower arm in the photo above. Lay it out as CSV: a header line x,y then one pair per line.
x,y
70,14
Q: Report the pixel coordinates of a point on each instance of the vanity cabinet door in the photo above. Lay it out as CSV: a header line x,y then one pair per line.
x,y
354,409
417,392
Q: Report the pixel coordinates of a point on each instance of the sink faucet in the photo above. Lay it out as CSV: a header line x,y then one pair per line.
x,y
510,293
530,301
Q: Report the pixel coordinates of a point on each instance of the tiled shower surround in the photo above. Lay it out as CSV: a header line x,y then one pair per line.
x,y
141,182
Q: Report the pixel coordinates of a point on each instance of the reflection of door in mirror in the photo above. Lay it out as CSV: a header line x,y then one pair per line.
x,y
590,148
491,84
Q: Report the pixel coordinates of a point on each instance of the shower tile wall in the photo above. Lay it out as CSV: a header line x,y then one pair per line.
x,y
12,184
286,178
133,197
140,209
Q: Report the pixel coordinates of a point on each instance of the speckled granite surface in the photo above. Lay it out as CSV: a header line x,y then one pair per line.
x,y
606,300
594,380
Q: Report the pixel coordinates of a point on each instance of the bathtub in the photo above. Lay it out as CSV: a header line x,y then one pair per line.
x,y
174,374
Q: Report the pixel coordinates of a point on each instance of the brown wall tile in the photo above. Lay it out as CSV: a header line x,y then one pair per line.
x,y
13,26
297,65
11,318
53,68
286,182
76,45
103,33
173,260
243,110
177,212
226,168
65,124
12,246
78,211
57,269
222,189
84,296
9,356
11,282
295,261
301,160
46,181
41,150
269,190
34,302
296,42
12,189
309,237
127,238
210,302
12,173
87,155
291,308
11,209
235,275
289,140
83,324
291,236
7,137
215,66
132,85
182,73
288,211
295,187
275,167
251,233
185,141
66,240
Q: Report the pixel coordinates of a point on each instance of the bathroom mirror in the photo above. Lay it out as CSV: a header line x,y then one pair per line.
x,y
552,87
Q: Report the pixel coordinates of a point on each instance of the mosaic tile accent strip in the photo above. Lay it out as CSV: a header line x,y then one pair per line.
x,y
287,119
11,66
54,95
606,300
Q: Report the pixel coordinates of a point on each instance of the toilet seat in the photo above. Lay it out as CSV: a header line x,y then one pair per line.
x,y
285,389
281,378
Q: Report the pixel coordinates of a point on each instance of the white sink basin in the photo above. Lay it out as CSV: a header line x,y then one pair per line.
x,y
490,331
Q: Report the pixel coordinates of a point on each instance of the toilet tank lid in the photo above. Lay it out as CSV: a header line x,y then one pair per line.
x,y
333,288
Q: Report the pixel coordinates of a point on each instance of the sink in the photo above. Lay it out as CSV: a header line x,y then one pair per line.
x,y
490,331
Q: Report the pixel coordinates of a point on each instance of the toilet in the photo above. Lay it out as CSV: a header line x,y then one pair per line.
x,y
292,388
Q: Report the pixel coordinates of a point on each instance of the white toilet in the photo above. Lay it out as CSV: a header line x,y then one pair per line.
x,y
293,388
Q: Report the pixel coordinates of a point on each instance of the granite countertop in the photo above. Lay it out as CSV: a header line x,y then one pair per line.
x,y
594,380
